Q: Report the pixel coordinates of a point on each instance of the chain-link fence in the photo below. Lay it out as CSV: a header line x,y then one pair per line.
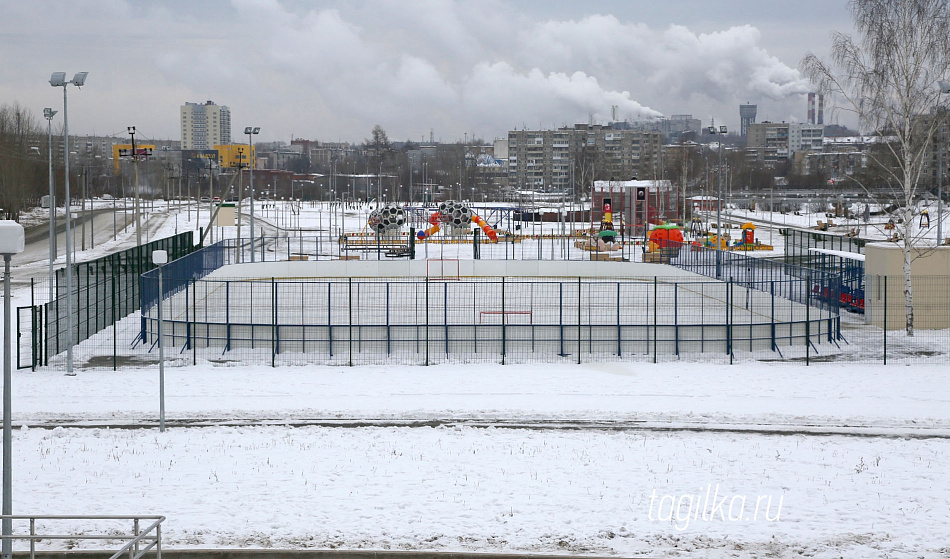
x,y
104,291
759,310
348,321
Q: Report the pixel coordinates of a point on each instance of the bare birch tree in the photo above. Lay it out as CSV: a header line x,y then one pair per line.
x,y
888,76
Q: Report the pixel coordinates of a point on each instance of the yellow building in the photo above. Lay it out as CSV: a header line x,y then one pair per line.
x,y
234,155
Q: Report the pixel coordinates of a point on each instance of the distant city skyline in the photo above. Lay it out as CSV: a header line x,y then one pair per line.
x,y
333,70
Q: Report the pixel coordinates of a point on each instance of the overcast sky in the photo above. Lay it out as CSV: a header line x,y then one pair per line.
x,y
331,70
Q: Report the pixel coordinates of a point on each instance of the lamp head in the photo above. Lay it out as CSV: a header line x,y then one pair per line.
x,y
247,129
711,129
160,257
12,237
57,79
256,129
723,130
79,79
49,113
131,130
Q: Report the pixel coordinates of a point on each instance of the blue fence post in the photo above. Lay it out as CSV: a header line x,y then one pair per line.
x,y
772,329
656,315
227,315
503,340
619,337
388,334
275,333
676,320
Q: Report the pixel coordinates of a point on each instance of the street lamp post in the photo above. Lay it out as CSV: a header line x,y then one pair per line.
x,y
250,131
160,258
240,199
58,79
135,172
11,242
48,115
722,132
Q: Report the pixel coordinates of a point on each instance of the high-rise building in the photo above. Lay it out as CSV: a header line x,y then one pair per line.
x,y
203,125
746,117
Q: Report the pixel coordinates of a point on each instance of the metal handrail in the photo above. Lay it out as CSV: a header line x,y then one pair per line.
x,y
133,546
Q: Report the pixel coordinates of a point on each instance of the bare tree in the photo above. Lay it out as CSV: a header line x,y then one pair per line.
x,y
888,77
22,161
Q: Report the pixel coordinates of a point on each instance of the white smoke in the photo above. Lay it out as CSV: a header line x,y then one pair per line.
x,y
334,69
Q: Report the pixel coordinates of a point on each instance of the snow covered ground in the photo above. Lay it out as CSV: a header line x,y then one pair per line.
x,y
629,459
625,459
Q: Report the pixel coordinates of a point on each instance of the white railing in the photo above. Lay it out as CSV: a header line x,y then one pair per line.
x,y
139,542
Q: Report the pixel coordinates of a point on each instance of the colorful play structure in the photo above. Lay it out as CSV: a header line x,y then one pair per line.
x,y
746,240
456,216
665,236
606,237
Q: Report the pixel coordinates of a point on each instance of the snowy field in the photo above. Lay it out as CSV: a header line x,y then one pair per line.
x,y
611,459
626,459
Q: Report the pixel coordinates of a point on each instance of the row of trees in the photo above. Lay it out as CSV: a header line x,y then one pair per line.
x,y
23,160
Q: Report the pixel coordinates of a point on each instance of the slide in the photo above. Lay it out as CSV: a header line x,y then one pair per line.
x,y
434,220
455,215
486,228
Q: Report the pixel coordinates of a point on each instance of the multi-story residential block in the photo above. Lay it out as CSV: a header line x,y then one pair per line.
x,y
775,142
549,159
204,124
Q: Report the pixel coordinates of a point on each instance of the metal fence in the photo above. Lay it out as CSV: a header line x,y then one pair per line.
x,y
144,537
348,321
820,288
759,310
105,290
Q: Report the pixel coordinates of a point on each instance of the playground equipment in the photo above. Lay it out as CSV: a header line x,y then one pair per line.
x,y
665,236
387,220
604,240
456,216
746,240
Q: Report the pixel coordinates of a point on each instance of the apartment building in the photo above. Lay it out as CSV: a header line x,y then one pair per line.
x,y
203,125
549,159
777,142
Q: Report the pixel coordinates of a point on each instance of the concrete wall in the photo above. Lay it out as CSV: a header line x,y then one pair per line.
x,y
422,268
930,272
887,259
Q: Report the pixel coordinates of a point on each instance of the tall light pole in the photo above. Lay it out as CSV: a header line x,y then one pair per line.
x,y
240,198
250,131
135,172
58,79
160,258
722,132
11,242
48,114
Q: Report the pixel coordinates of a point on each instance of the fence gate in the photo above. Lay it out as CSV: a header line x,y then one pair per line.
x,y
29,336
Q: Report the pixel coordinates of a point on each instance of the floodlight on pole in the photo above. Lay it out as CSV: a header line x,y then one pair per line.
x,y
135,172
48,114
12,241
250,131
58,79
